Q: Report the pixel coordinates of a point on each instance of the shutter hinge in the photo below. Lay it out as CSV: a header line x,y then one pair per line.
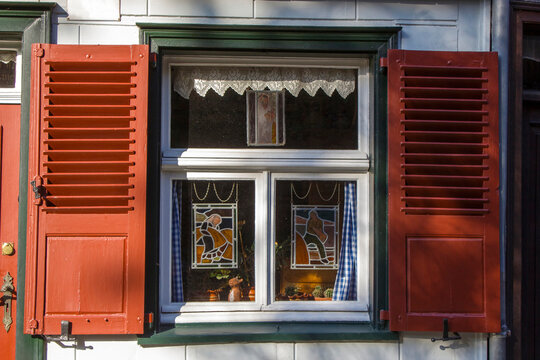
x,y
33,324
149,319
153,60
37,188
383,62
384,315
39,52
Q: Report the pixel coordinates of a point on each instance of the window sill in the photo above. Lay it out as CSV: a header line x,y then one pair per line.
x,y
205,333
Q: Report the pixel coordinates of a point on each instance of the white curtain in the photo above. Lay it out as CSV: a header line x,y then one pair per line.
x,y
220,79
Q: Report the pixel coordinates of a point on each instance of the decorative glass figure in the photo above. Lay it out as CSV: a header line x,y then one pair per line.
x,y
314,236
214,236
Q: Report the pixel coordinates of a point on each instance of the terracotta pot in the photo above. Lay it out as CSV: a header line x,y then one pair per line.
x,y
214,295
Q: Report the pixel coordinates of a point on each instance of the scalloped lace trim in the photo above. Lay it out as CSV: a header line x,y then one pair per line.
x,y
220,79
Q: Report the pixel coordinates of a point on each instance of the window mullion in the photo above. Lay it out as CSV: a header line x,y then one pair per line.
x,y
263,247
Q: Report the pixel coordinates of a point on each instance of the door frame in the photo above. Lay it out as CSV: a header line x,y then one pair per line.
x,y
522,14
30,23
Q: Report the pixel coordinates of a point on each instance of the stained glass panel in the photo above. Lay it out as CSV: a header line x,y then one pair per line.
x,y
314,237
214,235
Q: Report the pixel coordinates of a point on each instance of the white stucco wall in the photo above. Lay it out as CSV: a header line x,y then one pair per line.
x,y
427,25
413,346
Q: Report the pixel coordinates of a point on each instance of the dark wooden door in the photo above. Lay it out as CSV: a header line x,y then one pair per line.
x,y
531,225
525,204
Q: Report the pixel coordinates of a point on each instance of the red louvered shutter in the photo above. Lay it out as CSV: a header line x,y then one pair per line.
x,y
443,175
87,189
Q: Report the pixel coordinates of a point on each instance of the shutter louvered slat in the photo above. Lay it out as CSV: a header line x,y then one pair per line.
x,y
88,189
438,137
75,91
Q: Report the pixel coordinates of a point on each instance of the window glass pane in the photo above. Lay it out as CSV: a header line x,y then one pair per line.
x,y
313,257
7,68
531,57
216,240
236,118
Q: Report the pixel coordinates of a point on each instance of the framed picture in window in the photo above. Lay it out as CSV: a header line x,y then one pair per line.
x,y
265,118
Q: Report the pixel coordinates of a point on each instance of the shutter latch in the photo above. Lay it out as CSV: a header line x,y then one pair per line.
x,y
65,334
37,188
445,336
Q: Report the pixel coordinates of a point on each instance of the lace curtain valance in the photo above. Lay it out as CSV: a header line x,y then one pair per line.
x,y
219,79
7,56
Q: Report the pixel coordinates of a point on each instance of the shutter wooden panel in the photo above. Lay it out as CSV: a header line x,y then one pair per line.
x,y
87,163
443,184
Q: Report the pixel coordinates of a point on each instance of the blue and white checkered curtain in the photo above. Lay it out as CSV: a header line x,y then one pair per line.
x,y
176,258
345,286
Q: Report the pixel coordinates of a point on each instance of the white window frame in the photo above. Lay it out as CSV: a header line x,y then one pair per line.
x,y
265,166
12,95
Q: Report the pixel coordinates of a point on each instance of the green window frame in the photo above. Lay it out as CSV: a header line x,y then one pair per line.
x,y
174,39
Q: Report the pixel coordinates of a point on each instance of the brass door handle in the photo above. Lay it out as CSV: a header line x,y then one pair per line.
x,y
8,289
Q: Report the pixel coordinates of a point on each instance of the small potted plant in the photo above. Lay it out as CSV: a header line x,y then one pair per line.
x,y
328,293
321,295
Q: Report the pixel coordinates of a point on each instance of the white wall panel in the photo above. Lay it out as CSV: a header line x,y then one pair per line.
x,y
425,37
413,346
93,10
133,7
348,351
407,9
474,25
418,346
55,352
109,34
122,347
67,34
160,353
202,8
285,351
239,352
61,5
305,9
